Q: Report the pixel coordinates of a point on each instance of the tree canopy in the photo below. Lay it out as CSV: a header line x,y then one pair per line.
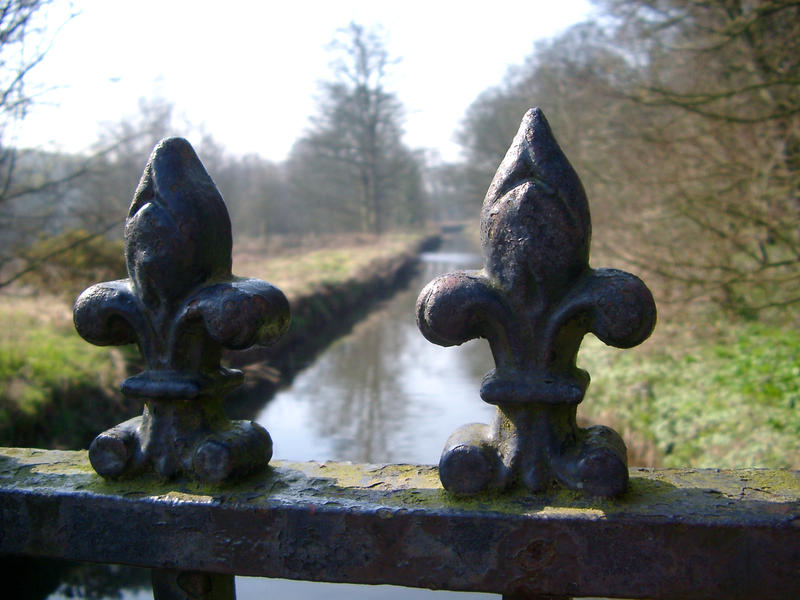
x,y
683,119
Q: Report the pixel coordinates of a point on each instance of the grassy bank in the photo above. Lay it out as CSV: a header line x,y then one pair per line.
x,y
56,390
722,397
53,386
312,264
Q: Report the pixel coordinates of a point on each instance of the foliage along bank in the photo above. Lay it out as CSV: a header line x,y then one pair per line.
x,y
58,391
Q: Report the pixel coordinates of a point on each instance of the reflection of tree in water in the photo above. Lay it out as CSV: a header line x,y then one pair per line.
x,y
27,578
357,395
369,388
104,582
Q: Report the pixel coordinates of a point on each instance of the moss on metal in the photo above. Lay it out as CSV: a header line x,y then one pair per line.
x,y
681,533
683,494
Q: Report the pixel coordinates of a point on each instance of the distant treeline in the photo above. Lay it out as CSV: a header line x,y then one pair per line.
x,y
350,172
682,119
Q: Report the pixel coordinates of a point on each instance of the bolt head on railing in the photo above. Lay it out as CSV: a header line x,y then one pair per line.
x,y
182,305
534,300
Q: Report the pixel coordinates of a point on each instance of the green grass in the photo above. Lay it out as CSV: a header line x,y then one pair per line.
x,y
728,402
41,361
50,379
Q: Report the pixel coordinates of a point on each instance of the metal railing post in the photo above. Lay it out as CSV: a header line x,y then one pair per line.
x,y
182,305
192,585
534,300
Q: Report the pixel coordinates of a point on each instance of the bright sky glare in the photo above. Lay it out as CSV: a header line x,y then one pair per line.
x,y
247,71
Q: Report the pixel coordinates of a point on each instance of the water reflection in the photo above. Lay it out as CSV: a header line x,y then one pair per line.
x,y
38,578
383,393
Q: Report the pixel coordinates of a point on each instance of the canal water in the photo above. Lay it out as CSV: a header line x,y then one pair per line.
x,y
383,393
380,394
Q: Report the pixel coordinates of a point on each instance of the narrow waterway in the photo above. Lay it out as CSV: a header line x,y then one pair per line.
x,y
381,394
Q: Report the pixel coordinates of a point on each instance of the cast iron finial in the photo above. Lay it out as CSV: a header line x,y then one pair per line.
x,y
181,304
534,301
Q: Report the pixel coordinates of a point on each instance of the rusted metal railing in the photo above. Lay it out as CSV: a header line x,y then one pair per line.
x,y
531,506
674,533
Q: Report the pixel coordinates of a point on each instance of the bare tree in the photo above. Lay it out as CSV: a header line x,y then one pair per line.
x,y
63,202
721,81
20,53
683,119
352,164
30,180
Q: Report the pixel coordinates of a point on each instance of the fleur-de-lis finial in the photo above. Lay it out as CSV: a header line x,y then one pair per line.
x,y
534,300
182,305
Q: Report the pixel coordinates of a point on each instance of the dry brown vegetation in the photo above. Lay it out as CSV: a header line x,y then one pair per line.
x,y
683,120
299,264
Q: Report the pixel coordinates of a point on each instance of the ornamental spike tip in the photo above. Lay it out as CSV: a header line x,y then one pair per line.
x,y
535,224
177,233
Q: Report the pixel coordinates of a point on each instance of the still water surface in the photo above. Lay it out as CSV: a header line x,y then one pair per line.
x,y
380,394
383,393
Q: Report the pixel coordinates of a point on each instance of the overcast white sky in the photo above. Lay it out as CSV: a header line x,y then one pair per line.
x,y
247,72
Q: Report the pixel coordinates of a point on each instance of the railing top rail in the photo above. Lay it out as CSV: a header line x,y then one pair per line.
x,y
675,533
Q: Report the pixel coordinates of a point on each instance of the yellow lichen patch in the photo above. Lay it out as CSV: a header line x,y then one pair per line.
x,y
674,494
780,483
180,496
49,461
774,485
571,511
383,477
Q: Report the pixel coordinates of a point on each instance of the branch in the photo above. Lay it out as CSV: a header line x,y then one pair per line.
x,y
39,261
